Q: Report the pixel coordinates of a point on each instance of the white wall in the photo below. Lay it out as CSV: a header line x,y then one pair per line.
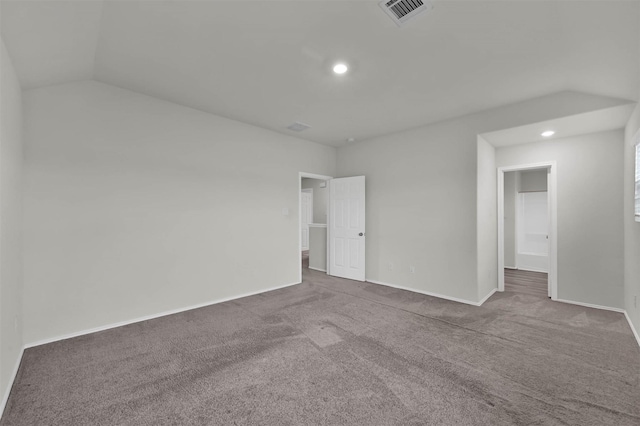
x,y
11,160
631,227
318,248
135,206
421,208
320,197
487,227
129,200
422,195
511,183
590,234
533,180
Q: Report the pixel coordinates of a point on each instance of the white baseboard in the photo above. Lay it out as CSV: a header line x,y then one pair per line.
x,y
428,293
515,268
317,269
633,329
7,392
149,317
590,305
484,299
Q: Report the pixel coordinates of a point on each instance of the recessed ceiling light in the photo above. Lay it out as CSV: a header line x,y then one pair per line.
x,y
340,68
548,133
351,139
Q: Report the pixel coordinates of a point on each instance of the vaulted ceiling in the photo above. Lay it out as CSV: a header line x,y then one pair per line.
x,y
268,63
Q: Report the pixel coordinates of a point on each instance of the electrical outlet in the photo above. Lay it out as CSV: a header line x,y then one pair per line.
x,y
391,266
412,269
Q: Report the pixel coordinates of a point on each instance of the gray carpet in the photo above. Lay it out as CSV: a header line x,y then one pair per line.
x,y
332,351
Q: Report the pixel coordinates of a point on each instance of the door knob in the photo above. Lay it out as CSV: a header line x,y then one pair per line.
x,y
361,234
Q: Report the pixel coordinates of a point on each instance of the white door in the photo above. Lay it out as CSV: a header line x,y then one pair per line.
x,y
306,216
347,228
533,230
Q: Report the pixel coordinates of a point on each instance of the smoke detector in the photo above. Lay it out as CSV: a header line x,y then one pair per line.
x,y
401,11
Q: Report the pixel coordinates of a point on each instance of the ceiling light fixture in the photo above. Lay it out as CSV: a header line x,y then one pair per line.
x,y
548,133
340,68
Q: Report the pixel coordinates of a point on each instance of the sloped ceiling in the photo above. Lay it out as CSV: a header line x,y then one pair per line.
x,y
51,42
268,63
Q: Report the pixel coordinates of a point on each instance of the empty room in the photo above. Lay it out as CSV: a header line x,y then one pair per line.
x,y
298,212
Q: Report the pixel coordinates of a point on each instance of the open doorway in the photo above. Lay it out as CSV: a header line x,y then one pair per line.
x,y
527,243
526,232
338,245
313,210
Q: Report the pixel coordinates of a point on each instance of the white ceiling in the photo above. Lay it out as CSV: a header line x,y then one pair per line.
x,y
268,62
51,42
610,118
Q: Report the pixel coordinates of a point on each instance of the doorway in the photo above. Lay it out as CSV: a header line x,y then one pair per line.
x,y
526,220
312,221
528,211
337,231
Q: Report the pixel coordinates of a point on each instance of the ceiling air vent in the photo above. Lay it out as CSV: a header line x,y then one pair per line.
x,y
298,127
401,11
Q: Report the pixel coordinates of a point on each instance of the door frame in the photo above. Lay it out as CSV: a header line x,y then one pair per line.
x,y
552,197
310,176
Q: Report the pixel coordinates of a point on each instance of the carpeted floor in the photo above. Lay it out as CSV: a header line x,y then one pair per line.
x,y
331,351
